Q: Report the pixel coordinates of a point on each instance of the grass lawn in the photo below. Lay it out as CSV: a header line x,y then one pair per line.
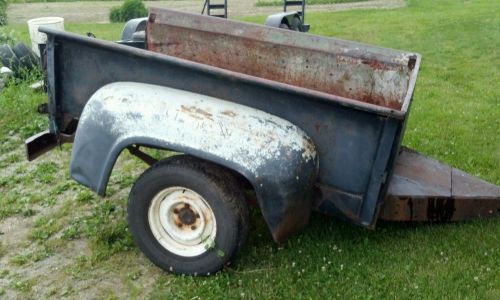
x,y
76,244
310,2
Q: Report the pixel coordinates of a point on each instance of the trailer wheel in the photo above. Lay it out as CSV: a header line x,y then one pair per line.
x,y
188,216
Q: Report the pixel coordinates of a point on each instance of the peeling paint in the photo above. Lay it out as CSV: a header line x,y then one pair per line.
x,y
249,137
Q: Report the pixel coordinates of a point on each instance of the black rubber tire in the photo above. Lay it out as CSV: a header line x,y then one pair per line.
x,y
284,26
296,24
9,58
217,186
26,56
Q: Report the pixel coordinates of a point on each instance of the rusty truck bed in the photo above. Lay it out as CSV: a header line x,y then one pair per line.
x,y
351,99
369,74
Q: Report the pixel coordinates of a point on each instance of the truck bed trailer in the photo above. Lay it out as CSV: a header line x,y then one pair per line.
x,y
305,122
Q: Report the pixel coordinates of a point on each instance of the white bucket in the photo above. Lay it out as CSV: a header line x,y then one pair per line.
x,y
39,37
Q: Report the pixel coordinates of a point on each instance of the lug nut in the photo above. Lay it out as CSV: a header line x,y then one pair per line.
x,y
193,227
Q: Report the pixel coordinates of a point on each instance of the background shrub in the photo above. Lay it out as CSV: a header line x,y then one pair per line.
x,y
130,9
115,14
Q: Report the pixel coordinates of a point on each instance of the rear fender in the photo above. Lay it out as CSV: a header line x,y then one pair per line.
x,y
275,156
281,18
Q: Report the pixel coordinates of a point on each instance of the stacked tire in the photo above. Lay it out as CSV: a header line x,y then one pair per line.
x,y
19,58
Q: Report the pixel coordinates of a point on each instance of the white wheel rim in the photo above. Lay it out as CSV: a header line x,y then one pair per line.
x,y
182,221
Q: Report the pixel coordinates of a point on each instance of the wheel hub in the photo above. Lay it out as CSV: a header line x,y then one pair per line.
x,y
186,215
182,221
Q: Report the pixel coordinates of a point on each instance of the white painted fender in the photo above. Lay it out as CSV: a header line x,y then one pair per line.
x,y
277,157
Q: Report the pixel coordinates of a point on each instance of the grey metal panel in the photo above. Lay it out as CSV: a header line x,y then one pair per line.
x,y
53,111
379,172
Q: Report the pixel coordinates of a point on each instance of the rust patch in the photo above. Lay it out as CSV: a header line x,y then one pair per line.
x,y
412,62
229,113
423,189
152,18
438,209
295,219
375,64
336,74
196,112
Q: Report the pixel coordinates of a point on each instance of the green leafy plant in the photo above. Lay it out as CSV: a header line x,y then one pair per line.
x,y
130,9
8,36
115,14
3,12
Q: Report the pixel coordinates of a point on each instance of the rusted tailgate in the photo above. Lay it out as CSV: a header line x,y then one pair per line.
x,y
347,69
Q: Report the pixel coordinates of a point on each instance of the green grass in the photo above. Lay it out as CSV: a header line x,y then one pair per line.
x,y
110,32
22,259
37,1
309,2
455,117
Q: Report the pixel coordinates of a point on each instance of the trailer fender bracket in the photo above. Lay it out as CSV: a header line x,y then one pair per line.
x,y
287,18
275,156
